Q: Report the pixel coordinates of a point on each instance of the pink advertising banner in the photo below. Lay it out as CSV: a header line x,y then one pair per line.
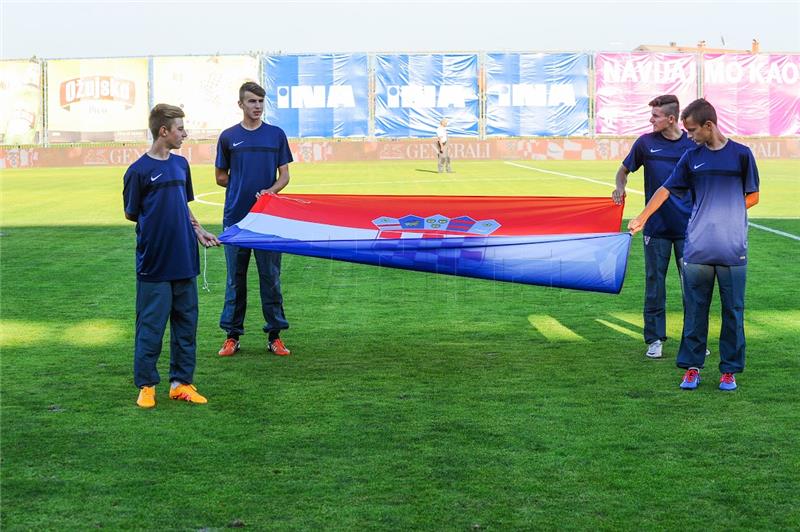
x,y
754,94
626,82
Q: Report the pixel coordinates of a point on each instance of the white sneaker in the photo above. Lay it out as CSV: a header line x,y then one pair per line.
x,y
708,352
654,351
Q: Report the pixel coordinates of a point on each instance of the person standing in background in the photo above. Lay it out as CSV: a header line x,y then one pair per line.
x,y
442,148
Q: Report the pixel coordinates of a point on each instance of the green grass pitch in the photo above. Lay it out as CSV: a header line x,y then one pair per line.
x,y
411,401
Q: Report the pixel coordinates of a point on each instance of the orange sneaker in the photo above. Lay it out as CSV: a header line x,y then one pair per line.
x,y
277,348
188,393
229,348
147,397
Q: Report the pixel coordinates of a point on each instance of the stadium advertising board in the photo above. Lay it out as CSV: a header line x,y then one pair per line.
x,y
318,95
626,82
754,94
517,150
20,102
207,88
97,100
536,94
413,93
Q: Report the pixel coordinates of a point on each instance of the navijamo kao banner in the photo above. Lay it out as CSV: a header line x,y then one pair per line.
x,y
318,95
625,83
97,100
536,94
207,88
20,102
414,92
754,94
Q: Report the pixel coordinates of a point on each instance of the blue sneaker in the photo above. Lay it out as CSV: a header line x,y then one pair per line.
x,y
727,382
690,379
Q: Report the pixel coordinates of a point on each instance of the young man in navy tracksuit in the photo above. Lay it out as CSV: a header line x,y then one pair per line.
x,y
722,179
157,189
665,232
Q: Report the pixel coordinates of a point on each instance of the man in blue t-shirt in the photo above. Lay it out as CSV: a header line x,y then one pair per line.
x,y
249,155
156,192
721,177
658,152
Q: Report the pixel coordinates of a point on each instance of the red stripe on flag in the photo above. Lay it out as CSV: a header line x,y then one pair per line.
x,y
516,215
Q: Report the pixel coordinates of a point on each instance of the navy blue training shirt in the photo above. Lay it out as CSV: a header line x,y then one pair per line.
x,y
716,181
659,155
252,158
157,193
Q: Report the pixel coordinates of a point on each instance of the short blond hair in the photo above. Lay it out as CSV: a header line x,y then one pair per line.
x,y
163,115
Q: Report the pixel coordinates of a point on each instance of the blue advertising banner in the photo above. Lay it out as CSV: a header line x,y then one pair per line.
x,y
317,95
413,93
530,94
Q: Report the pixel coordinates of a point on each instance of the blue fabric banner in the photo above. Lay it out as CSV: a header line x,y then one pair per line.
x,y
535,94
413,93
317,95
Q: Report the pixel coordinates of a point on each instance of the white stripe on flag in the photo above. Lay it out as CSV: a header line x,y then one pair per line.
x,y
300,230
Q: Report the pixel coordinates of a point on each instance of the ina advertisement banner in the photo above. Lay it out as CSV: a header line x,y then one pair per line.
x,y
626,82
207,88
318,95
97,100
20,102
413,93
754,94
536,94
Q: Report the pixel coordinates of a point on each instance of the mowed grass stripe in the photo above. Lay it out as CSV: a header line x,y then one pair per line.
x,y
550,328
411,401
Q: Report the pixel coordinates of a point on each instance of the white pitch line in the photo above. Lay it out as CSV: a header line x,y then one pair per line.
x,y
770,230
589,179
757,226
542,170
439,181
204,202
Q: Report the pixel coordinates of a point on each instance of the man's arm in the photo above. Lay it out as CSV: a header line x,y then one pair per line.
x,y
280,183
221,176
622,179
204,237
131,217
659,197
751,199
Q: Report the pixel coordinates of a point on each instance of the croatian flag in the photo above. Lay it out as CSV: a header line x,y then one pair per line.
x,y
548,241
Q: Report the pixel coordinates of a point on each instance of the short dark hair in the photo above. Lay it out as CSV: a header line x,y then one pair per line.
x,y
163,115
668,103
251,86
700,111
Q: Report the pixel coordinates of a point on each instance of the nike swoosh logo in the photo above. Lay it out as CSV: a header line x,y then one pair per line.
x,y
698,165
156,177
237,143
655,151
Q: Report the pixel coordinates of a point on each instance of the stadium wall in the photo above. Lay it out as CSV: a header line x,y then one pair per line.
x,y
323,151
